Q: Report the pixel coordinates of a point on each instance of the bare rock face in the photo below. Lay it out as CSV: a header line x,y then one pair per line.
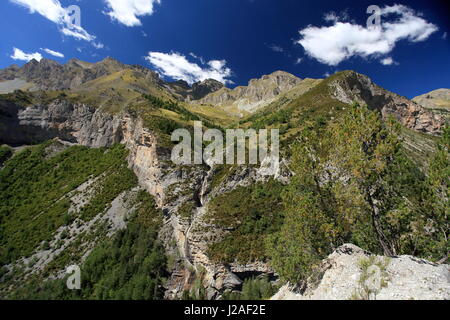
x,y
259,92
197,91
203,88
50,75
352,273
73,122
357,87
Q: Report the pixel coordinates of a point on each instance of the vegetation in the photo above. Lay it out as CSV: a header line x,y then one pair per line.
x,y
34,189
131,265
5,154
253,289
373,278
353,183
251,214
172,106
186,210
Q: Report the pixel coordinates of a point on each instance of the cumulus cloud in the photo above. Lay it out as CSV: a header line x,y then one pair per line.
x,y
387,61
128,11
20,55
53,53
177,66
53,11
333,44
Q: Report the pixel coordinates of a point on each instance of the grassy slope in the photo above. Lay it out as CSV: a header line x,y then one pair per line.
x,y
251,213
255,211
131,265
34,190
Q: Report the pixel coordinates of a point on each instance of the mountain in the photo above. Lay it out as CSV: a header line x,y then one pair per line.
x,y
197,91
258,93
437,99
50,75
86,177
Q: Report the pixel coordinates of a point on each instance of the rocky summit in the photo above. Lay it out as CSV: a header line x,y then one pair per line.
x,y
258,93
86,178
350,273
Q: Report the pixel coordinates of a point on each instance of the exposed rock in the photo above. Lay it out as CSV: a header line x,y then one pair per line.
x,y
355,87
195,92
172,186
437,101
352,273
50,75
72,122
258,93
203,88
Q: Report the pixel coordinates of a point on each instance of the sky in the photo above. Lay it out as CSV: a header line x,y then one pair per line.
x,y
403,46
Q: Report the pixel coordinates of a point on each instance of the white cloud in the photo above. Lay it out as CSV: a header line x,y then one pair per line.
x,y
387,61
20,55
53,11
333,44
444,36
53,53
77,32
176,66
98,45
298,61
128,11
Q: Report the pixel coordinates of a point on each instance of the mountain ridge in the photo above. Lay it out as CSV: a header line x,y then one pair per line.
x,y
216,219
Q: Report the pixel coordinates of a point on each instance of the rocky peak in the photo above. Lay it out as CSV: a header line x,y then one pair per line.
x,y
258,93
44,69
195,92
205,87
281,78
350,86
75,63
111,64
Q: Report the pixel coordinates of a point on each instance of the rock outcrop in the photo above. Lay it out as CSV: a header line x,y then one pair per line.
x,y
73,122
354,87
172,186
197,91
50,75
81,124
352,273
258,93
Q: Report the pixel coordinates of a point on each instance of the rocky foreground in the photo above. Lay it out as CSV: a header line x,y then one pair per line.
x,y
352,273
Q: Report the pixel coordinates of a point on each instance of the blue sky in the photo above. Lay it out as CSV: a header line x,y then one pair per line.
x,y
236,40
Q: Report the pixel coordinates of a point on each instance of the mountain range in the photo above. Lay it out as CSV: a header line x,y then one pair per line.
x,y
86,171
